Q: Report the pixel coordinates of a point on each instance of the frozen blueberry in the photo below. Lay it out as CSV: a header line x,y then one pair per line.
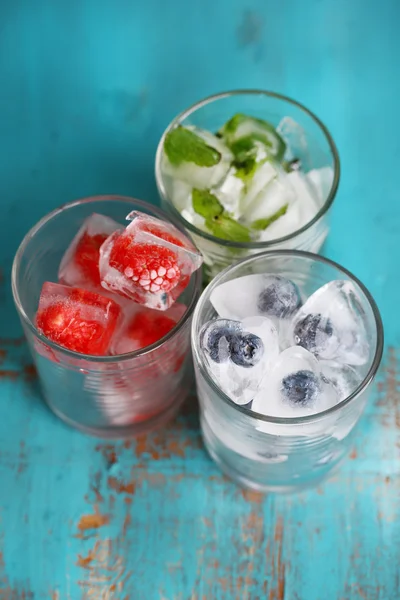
x,y
216,338
313,333
246,349
280,297
301,388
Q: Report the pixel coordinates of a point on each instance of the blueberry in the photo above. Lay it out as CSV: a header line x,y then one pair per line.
x,y
246,349
301,388
313,333
216,337
280,298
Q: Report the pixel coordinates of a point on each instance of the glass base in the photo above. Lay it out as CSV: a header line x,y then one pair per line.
x,y
273,477
127,431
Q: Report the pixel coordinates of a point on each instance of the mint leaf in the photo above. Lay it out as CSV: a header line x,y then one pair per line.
x,y
233,123
182,145
226,228
206,204
262,224
253,130
245,169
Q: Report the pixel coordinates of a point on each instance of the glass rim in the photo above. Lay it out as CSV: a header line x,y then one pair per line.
x,y
246,245
89,357
367,380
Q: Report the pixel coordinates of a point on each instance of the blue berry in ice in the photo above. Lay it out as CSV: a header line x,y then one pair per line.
x,y
313,333
246,349
280,297
216,338
301,388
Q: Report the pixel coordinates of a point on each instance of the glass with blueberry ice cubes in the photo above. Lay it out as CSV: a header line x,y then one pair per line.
x,y
286,345
105,288
247,171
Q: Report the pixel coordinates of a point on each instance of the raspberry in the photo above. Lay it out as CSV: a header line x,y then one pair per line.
x,y
77,319
146,328
164,235
154,268
87,255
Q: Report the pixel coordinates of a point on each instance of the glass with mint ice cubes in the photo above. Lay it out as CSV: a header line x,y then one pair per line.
x,y
285,347
248,171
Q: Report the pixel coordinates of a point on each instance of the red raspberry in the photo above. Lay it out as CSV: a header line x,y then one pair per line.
x,y
146,328
77,319
152,267
164,235
87,255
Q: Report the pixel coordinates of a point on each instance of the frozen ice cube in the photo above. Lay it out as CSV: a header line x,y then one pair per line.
x,y
80,263
294,387
331,324
322,180
195,175
273,197
263,176
230,192
344,377
181,194
265,295
77,319
295,138
238,354
150,262
141,327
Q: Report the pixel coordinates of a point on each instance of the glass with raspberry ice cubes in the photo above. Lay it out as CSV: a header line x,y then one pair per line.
x,y
106,308
285,346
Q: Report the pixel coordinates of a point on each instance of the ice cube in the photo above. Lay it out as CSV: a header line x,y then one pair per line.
x,y
142,327
344,377
295,138
150,262
263,176
80,263
238,354
322,180
303,205
265,295
294,387
198,176
77,319
273,197
331,324
230,192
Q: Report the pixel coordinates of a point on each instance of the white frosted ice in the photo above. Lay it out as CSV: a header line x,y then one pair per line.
x,y
201,177
344,377
341,333
294,387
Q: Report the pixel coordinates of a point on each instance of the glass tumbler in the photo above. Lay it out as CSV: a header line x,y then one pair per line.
x,y
311,142
271,453
111,396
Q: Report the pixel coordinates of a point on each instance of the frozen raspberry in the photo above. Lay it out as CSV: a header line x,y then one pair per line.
x,y
80,320
79,266
87,256
154,268
150,262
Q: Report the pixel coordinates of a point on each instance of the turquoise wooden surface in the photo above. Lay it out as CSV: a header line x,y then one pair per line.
x,y
87,87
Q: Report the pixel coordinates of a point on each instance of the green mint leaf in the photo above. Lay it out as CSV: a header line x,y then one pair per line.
x,y
233,123
257,130
206,204
262,224
182,145
245,169
226,228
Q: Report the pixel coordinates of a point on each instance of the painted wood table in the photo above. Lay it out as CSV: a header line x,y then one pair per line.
x,y
87,87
